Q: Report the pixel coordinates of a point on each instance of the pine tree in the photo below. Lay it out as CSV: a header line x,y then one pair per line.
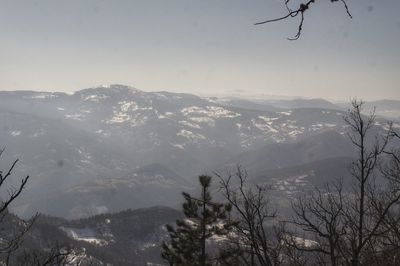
x,y
189,243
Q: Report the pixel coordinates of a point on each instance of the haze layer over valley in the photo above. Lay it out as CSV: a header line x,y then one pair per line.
x,y
111,148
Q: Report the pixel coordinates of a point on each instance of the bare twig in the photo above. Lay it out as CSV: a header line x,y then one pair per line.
x,y
300,11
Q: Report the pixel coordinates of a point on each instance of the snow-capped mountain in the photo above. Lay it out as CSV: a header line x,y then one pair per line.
x,y
84,151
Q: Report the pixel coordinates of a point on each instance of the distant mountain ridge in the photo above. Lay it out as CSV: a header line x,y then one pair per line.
x,y
329,144
389,109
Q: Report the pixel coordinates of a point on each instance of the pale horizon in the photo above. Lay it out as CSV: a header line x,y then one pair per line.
x,y
221,94
203,48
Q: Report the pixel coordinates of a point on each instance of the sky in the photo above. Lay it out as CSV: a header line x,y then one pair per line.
x,y
206,47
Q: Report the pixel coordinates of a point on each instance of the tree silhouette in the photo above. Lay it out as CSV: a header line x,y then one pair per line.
x,y
13,229
189,241
253,211
347,226
11,239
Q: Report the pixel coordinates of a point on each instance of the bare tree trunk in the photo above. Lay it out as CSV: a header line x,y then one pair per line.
x,y
346,226
253,210
203,228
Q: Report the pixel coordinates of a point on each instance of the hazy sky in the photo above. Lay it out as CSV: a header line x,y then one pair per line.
x,y
201,46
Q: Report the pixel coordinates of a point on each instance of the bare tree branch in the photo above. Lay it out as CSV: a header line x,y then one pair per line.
x,y
300,11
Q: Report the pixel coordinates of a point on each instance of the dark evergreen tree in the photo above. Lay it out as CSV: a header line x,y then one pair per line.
x,y
191,242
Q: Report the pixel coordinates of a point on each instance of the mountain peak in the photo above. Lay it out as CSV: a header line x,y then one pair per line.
x,y
120,87
109,89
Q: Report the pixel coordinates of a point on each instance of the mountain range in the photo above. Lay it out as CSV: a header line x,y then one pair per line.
x,y
115,147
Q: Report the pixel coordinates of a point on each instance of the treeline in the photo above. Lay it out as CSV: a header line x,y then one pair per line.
x,y
346,222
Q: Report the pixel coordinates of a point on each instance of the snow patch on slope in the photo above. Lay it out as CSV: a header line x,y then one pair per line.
x,y
209,111
84,234
194,137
